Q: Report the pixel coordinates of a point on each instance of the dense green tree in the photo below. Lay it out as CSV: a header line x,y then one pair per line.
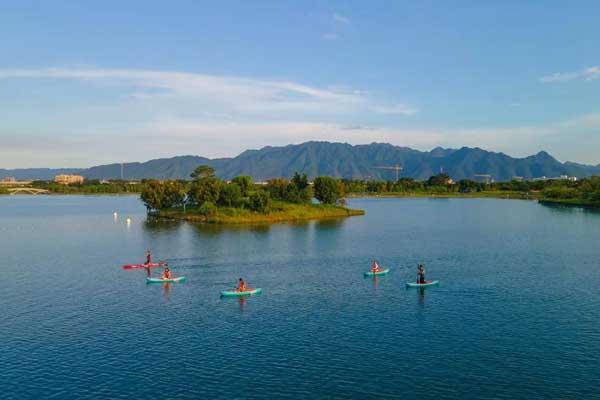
x,y
231,195
468,186
152,195
173,194
158,195
328,190
259,201
441,179
277,188
208,209
205,189
203,171
244,182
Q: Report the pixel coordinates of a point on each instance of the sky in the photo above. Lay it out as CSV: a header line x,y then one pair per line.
x,y
88,83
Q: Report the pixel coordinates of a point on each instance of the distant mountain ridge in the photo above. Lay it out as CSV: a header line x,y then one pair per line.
x,y
335,159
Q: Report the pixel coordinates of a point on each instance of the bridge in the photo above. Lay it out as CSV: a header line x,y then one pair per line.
x,y
27,190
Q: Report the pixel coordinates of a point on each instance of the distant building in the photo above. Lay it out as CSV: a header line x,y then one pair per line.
x,y
69,179
10,181
558,178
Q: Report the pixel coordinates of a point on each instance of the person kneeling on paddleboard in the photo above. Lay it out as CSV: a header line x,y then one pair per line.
x,y
167,274
241,286
375,267
421,274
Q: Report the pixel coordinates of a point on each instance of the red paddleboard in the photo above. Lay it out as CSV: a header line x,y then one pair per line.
x,y
151,265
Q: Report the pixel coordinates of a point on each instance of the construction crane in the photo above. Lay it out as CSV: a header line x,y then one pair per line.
x,y
485,177
396,168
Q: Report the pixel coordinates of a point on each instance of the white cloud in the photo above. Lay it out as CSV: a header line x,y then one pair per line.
x,y
215,94
340,19
586,74
397,109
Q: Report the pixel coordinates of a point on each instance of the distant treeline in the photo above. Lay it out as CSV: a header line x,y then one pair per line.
x,y
206,192
586,189
91,186
241,192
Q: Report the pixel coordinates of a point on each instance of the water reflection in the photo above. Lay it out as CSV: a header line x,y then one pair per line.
x,y
157,225
215,229
421,294
333,223
166,291
242,301
375,280
570,209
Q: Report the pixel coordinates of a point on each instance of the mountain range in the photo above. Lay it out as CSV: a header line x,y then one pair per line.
x,y
334,159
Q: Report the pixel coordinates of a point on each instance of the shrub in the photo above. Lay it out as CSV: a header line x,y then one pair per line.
x,y
259,201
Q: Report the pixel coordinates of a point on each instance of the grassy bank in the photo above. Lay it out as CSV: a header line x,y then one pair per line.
x,y
506,194
279,212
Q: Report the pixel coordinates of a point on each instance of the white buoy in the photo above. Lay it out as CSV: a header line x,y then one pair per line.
x,y
128,220
115,215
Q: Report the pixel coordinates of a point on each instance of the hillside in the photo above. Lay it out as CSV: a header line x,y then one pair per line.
x,y
336,159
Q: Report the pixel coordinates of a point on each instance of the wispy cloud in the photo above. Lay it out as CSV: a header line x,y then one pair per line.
x,y
340,19
397,109
586,74
220,94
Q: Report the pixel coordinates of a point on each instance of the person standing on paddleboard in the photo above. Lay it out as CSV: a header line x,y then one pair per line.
x,y
148,262
421,274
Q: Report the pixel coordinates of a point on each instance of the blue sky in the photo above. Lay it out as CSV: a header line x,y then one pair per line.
x,y
83,84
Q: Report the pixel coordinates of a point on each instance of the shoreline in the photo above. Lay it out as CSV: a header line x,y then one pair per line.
x,y
474,195
284,213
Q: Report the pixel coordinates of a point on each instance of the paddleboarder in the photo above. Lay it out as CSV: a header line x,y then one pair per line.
x,y
375,267
421,274
241,286
148,262
167,273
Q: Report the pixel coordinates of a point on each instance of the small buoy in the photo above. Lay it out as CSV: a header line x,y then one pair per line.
x,y
128,220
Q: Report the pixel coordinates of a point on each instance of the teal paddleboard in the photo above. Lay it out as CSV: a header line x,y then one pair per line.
x,y
161,280
235,293
414,284
382,272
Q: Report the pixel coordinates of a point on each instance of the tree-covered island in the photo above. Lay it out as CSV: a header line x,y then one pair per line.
x,y
209,199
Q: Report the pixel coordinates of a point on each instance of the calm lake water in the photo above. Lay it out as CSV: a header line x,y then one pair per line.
x,y
517,314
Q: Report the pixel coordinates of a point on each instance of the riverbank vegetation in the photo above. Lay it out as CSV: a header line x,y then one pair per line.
x,y
205,189
209,199
585,192
91,186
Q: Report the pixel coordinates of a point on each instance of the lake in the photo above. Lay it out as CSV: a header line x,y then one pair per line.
x,y
517,313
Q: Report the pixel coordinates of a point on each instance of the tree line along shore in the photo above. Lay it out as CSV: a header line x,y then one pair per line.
x,y
584,192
